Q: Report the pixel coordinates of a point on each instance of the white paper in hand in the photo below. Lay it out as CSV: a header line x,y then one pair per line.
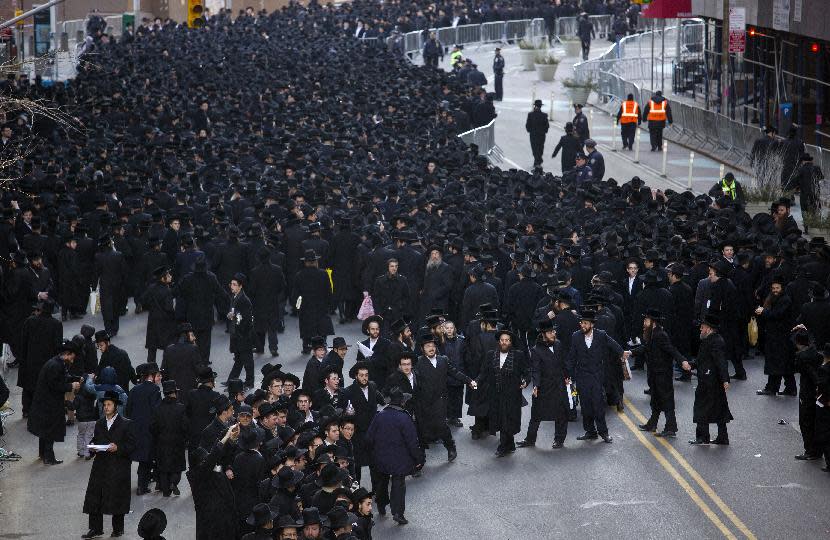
x,y
570,396
98,447
364,350
299,303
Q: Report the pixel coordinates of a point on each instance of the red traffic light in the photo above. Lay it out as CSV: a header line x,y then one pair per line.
x,y
814,47
752,32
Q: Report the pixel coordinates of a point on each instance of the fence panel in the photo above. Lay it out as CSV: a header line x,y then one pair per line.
x,y
468,33
565,27
447,36
517,29
493,32
602,24
412,42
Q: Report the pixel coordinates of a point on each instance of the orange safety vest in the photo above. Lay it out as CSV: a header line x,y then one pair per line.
x,y
657,111
630,112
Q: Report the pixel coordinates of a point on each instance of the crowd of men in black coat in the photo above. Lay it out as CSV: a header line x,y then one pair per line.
x,y
227,194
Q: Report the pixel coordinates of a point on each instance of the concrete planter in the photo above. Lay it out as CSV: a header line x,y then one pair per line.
x,y
546,72
579,94
528,57
573,47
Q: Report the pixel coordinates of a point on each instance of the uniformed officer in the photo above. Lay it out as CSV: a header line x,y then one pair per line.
x,y
498,73
581,173
595,160
580,122
537,125
657,112
629,118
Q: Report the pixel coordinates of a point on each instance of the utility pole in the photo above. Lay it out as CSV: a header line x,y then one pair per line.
x,y
724,67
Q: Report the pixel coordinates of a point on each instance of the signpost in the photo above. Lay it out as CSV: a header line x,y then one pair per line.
x,y
737,30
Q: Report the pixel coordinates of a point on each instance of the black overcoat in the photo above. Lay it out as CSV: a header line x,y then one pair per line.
x,y
170,430
242,325
266,288
587,368
314,286
161,316
660,355
40,340
364,411
213,498
711,405
778,350
504,390
432,395
547,371
108,490
143,400
180,362
47,417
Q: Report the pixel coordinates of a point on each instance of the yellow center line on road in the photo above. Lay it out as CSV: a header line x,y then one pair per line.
x,y
696,477
690,491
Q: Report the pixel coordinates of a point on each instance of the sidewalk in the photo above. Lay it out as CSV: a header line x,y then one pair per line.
x,y
522,87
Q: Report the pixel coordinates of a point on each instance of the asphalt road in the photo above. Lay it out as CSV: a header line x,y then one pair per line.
x,y
637,487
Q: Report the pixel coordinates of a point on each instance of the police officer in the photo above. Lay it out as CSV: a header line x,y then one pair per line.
x,y
595,160
498,73
628,117
580,122
537,125
657,112
581,173
455,56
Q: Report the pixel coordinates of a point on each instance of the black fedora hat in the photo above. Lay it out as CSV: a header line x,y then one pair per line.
x,y
338,517
398,326
101,335
331,476
152,524
365,326
69,346
504,331
110,395
205,374
588,315
46,306
311,516
545,326
362,364
184,328
711,320
654,314
318,342
427,337
309,255
288,522
287,477
361,493
339,342
169,387
261,515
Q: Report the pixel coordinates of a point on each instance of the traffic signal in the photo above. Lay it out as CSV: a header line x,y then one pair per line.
x,y
195,13
814,47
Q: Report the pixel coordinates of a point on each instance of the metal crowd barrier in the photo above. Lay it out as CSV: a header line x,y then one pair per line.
x,y
485,138
468,34
567,26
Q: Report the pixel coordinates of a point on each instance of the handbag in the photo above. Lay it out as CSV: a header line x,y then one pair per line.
x,y
752,332
367,309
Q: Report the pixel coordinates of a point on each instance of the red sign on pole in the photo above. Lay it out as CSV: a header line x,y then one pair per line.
x,y
737,30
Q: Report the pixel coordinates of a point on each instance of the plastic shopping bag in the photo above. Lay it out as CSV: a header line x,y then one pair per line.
x,y
367,309
94,305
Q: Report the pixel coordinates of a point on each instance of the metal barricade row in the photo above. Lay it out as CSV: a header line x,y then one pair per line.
x,y
468,33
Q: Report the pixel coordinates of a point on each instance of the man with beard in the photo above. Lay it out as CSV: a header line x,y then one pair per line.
x,y
313,292
683,303
481,342
390,294
659,357
505,374
376,350
213,497
158,301
711,405
550,380
401,340
586,363
776,315
363,397
432,371
115,357
181,361
438,284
